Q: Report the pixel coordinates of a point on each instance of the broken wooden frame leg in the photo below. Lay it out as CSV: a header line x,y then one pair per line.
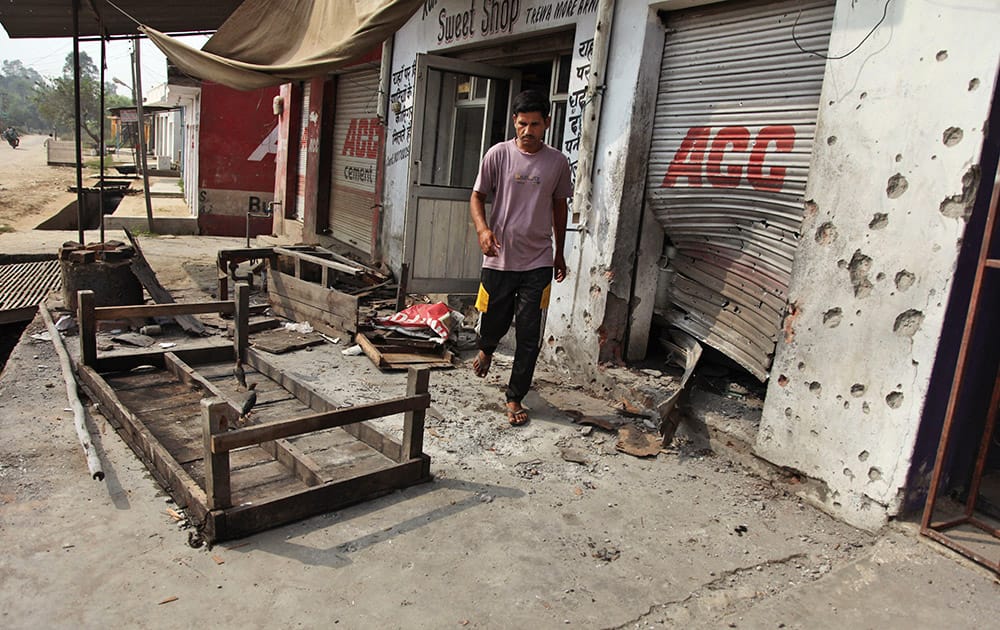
x,y
218,486
241,321
417,381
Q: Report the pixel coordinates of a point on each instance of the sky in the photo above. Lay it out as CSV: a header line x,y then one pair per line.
x,y
47,56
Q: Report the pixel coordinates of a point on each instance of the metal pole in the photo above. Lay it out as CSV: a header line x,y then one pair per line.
x,y
104,63
76,110
137,86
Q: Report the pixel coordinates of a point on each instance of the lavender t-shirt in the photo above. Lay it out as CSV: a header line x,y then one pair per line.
x,y
523,186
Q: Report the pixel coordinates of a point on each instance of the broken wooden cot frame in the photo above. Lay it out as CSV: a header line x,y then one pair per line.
x,y
212,504
939,531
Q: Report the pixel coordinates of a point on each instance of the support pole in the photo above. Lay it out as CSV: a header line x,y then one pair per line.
x,y
87,321
218,488
137,90
104,65
241,321
79,416
417,381
77,119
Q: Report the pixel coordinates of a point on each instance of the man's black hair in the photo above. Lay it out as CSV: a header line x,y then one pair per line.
x,y
531,101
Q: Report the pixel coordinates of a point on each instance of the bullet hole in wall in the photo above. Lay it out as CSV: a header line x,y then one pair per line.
x,y
896,186
833,317
973,84
826,233
859,267
879,221
894,399
908,323
952,136
905,280
942,55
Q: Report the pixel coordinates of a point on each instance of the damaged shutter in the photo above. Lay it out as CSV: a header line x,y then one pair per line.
x,y
357,141
300,194
734,127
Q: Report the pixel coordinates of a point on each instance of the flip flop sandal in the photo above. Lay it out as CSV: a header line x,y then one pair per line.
x,y
518,417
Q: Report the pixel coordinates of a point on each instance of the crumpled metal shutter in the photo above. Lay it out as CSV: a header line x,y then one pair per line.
x,y
300,190
732,140
357,146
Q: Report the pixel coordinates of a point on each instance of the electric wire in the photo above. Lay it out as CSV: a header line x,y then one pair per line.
x,y
885,12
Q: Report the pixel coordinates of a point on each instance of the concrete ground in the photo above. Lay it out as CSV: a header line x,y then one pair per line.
x,y
512,532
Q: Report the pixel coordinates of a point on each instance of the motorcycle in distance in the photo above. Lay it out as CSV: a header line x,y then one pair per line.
x,y
10,135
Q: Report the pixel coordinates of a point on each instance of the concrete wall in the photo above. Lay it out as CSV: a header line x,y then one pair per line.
x,y
893,175
589,312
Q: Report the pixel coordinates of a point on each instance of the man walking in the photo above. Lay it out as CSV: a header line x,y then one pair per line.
x,y
529,183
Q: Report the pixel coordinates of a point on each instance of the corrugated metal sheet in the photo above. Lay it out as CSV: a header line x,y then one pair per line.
x,y
300,190
54,18
732,140
23,286
357,142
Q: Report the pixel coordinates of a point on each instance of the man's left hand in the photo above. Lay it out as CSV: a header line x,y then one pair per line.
x,y
559,265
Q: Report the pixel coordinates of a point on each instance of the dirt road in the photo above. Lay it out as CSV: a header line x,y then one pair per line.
x,y
30,190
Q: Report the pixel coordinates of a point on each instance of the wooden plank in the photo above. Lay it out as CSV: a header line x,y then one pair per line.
x,y
417,381
146,275
342,306
88,326
191,356
217,481
161,310
327,420
167,471
302,465
370,350
241,318
320,320
316,260
281,340
362,431
248,519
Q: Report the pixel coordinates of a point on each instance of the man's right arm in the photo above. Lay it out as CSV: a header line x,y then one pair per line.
x,y
487,240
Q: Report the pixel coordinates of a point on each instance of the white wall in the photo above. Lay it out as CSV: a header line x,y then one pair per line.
x,y
900,129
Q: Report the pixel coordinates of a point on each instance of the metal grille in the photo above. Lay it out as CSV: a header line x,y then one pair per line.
x,y
357,143
732,140
23,286
300,191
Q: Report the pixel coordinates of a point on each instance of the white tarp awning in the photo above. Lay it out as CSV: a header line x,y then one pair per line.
x,y
270,42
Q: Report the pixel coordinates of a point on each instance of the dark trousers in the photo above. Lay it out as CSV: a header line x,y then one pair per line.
x,y
520,296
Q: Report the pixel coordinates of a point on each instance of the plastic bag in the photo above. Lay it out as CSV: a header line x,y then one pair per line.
x,y
430,321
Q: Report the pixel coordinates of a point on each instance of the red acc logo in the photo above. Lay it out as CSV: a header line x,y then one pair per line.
x,y
363,138
690,162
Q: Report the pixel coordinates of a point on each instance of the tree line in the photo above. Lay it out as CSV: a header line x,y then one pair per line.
x,y
32,103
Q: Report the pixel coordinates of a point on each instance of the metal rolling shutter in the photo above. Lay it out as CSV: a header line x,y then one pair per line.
x,y
732,140
357,142
300,190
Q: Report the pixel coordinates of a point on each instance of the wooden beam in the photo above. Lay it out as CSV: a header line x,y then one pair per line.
x,y
362,431
276,429
243,520
241,321
88,326
316,260
217,480
299,463
191,356
162,310
417,381
146,275
158,460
